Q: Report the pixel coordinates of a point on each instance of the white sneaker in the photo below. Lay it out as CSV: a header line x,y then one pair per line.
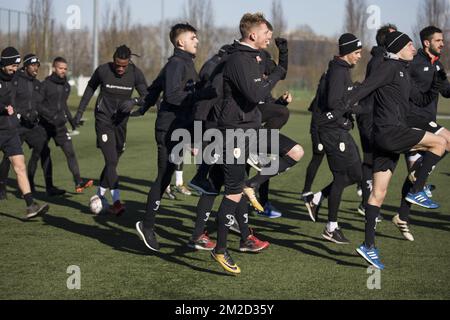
x,y
403,227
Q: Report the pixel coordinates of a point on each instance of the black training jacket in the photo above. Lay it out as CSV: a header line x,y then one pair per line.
x,y
7,123
55,92
314,107
28,98
393,89
211,74
114,90
244,88
422,70
179,81
338,84
377,59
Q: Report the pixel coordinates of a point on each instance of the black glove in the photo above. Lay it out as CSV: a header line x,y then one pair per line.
x,y
282,45
439,81
207,93
77,122
138,113
277,74
128,105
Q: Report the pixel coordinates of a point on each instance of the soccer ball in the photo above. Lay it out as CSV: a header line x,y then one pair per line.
x,y
98,205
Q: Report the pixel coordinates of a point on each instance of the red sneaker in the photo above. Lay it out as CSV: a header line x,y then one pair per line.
x,y
253,244
117,208
203,243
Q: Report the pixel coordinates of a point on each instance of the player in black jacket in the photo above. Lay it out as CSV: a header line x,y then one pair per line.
x,y
394,90
178,81
28,99
116,80
365,119
244,88
341,150
10,143
422,70
54,114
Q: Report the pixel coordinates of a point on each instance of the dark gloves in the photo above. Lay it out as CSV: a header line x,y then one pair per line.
x,y
282,45
138,113
128,105
77,122
277,74
207,93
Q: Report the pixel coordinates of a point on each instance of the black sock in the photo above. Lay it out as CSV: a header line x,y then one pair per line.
x,y
226,211
264,193
285,163
405,206
204,208
311,172
366,183
28,199
372,214
429,161
242,218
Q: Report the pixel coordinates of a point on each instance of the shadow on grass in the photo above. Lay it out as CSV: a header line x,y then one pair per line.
x,y
116,238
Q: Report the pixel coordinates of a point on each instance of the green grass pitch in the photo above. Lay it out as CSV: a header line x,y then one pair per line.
x,y
299,264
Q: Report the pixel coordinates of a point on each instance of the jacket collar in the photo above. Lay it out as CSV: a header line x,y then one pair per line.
x,y
183,54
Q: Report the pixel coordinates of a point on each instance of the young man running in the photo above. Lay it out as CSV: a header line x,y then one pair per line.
x,y
422,70
341,150
116,80
394,90
244,88
178,82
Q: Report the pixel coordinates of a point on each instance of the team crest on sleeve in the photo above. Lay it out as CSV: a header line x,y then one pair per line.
x,y
105,138
237,153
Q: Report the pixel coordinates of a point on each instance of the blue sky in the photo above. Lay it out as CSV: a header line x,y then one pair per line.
x,y
324,16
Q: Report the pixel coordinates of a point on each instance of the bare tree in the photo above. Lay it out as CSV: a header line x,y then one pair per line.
x,y
41,28
278,19
355,23
355,18
200,14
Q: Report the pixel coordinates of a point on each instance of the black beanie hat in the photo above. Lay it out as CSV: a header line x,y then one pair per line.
x,y
30,59
396,41
9,57
348,43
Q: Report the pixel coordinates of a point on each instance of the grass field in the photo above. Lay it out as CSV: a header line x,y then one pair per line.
x,y
115,264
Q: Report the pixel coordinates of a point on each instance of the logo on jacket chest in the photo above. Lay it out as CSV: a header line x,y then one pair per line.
x,y
402,75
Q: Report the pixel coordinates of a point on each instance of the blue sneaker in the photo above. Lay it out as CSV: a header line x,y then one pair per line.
x,y
371,255
421,199
269,212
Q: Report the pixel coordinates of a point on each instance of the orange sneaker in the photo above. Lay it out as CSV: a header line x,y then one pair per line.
x,y
79,188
